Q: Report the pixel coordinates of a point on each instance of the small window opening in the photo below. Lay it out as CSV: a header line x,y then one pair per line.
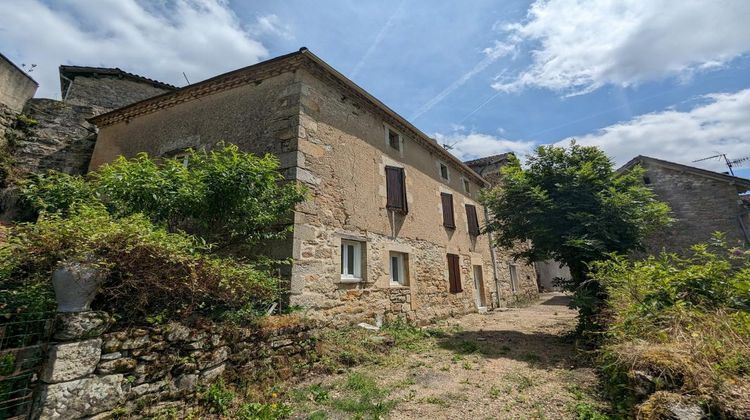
x,y
394,140
399,272
444,171
646,180
467,186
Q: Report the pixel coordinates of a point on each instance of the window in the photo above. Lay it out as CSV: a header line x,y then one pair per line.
x,y
399,272
395,183
467,186
454,273
394,140
471,218
513,277
444,172
447,200
351,260
646,180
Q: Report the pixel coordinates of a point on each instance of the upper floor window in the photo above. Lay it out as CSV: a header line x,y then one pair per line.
x,y
351,260
444,173
394,139
395,183
467,186
447,202
473,221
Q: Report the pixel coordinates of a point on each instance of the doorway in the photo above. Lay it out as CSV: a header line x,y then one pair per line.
x,y
479,288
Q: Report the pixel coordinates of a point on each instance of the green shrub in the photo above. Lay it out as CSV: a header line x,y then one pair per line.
x,y
151,271
218,397
682,319
224,196
55,192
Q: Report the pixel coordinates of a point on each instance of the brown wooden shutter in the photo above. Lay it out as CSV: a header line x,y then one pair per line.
x,y
454,273
448,220
471,216
396,189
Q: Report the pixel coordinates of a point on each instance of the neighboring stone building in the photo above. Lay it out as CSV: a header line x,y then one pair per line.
x,y
106,88
62,139
702,202
38,134
16,86
523,279
391,225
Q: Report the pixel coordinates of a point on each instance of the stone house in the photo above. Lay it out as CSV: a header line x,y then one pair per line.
x,y
702,202
391,226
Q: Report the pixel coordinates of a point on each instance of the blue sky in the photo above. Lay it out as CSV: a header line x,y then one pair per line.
x,y
665,78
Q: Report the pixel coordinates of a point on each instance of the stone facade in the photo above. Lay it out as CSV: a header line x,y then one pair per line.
x,y
334,138
517,280
92,370
702,202
16,86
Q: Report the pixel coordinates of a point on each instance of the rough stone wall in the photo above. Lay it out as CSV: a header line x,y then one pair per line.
x,y
700,205
7,120
343,153
109,92
16,87
91,371
61,140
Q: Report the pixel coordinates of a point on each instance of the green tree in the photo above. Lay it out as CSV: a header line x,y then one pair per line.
x,y
575,209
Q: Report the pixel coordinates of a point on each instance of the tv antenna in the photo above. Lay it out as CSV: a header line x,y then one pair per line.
x,y
729,162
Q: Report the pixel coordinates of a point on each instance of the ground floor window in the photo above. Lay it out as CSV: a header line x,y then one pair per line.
x,y
351,260
398,268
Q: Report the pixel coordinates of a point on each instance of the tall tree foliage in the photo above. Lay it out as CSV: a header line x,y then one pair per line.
x,y
575,209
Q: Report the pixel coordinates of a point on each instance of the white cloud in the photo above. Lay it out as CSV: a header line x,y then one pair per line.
x,y
472,145
159,40
581,45
271,25
720,124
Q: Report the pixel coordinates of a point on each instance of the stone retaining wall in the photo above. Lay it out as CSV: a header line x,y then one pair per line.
x,y
93,369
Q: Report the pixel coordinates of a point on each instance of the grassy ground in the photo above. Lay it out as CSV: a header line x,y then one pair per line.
x,y
518,363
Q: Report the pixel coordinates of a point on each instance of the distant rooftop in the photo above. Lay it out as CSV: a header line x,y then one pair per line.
x,y
489,160
68,73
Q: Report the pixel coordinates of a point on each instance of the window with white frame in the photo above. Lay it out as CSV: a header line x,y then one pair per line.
x,y
398,267
351,260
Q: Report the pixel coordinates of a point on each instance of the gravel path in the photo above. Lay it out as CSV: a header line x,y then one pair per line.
x,y
508,364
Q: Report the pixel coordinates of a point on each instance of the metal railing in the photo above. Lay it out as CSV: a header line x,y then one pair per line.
x,y
23,348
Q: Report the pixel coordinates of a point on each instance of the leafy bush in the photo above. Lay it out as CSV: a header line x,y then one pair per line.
x,y
684,320
225,196
150,270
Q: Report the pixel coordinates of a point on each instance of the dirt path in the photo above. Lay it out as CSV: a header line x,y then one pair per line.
x,y
515,363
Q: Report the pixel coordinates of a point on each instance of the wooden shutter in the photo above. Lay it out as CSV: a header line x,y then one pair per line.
x,y
471,216
448,220
454,273
396,188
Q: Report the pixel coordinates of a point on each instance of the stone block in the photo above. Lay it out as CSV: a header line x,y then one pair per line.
x,y
71,326
177,332
209,375
68,361
122,365
82,397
